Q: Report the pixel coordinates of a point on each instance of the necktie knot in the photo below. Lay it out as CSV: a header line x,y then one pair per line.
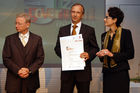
x,y
74,26
23,37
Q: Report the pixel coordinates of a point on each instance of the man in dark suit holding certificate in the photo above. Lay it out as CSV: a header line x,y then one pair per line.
x,y
23,55
80,78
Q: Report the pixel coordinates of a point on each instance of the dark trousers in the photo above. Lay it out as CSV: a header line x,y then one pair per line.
x,y
116,82
68,86
22,88
28,91
33,91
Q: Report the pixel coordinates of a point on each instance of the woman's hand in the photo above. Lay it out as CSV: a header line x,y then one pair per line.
x,y
104,52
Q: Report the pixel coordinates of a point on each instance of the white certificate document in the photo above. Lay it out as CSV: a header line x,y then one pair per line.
x,y
71,48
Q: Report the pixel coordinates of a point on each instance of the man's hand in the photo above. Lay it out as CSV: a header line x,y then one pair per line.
x,y
84,55
23,72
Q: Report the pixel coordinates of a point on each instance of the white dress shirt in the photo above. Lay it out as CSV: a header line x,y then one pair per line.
x,y
26,35
77,28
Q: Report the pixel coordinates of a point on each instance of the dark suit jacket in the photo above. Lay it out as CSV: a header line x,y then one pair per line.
x,y
126,51
90,46
15,56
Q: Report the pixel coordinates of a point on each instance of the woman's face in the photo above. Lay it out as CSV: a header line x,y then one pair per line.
x,y
109,21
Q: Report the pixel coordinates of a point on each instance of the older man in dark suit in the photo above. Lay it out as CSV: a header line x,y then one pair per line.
x,y
80,78
23,55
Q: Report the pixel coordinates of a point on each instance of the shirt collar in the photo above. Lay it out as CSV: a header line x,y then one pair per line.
x,y
21,35
78,24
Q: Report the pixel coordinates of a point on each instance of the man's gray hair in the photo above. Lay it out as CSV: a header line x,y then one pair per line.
x,y
26,16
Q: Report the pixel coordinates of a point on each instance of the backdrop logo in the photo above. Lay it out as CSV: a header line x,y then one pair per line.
x,y
45,11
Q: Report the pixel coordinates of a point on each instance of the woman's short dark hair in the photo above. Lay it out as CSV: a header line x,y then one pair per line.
x,y
116,12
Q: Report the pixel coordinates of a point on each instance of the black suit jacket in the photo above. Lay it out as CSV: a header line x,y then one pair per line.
x,y
90,46
15,56
126,52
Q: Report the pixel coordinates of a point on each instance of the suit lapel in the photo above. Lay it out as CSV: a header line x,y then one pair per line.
x,y
67,32
29,43
24,50
19,44
82,30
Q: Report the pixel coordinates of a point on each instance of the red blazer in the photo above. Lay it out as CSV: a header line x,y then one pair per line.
x,y
15,56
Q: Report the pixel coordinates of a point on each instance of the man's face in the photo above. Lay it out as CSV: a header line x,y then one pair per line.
x,y
76,14
21,25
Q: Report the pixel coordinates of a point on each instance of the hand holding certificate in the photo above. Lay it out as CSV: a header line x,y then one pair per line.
x,y
71,48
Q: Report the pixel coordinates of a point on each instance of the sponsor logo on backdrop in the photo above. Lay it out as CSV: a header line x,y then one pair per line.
x,y
45,11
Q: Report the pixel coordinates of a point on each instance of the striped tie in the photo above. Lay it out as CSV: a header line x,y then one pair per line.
x,y
74,31
23,40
